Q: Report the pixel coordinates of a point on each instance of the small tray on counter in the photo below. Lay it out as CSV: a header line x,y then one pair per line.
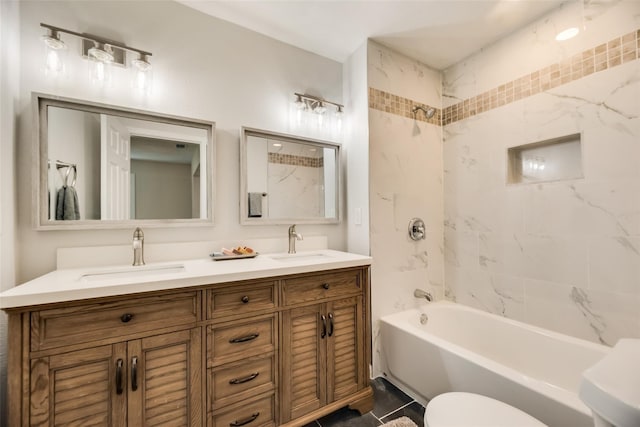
x,y
223,257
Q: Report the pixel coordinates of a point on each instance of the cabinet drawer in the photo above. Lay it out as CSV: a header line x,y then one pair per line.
x,y
228,343
258,413
241,380
103,321
240,300
318,286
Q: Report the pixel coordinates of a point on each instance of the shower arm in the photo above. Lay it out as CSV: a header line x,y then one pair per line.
x,y
428,112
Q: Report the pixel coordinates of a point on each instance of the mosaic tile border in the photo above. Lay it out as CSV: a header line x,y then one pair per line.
x,y
400,106
293,160
613,53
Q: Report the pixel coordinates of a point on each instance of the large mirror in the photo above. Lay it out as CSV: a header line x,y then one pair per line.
x,y
104,167
287,179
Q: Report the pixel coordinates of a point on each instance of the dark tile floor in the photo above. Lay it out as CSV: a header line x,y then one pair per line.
x,y
389,403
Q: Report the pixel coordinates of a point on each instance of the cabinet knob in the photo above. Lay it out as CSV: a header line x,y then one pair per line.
x,y
245,299
125,318
325,285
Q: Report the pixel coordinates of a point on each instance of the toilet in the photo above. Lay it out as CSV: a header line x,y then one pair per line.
x,y
610,388
459,409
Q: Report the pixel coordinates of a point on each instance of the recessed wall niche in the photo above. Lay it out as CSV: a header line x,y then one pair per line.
x,y
555,159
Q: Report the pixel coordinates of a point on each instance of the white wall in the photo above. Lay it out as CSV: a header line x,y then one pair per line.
x,y
74,137
163,189
203,68
562,255
9,81
356,152
405,158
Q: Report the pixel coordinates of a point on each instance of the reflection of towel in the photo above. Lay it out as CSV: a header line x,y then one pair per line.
x,y
67,204
255,205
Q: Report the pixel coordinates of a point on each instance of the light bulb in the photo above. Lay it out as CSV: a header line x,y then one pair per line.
x,y
142,75
567,34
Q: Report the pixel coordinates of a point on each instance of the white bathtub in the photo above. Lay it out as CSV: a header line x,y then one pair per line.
x,y
464,349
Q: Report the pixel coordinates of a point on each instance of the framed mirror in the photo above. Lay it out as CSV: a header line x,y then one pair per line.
x,y
287,179
101,166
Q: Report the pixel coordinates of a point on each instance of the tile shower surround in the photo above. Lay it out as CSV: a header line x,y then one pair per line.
x,y
617,51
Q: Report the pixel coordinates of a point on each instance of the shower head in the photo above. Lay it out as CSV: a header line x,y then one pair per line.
x,y
428,112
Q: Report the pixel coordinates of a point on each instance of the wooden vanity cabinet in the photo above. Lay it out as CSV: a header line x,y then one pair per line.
x,y
256,353
116,362
145,382
324,346
242,354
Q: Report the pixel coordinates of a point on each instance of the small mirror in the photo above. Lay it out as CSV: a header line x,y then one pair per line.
x,y
287,179
102,166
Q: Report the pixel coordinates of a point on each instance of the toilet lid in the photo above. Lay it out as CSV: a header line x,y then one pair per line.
x,y
458,409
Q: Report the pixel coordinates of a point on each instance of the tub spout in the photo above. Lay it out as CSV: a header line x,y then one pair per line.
x,y
419,293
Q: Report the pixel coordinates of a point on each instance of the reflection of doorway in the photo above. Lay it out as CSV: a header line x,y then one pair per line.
x,y
132,199
114,168
164,177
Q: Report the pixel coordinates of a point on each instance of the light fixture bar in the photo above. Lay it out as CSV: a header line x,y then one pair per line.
x,y
318,99
96,39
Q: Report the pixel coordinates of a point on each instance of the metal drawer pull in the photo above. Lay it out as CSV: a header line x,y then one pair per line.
x,y
245,379
325,285
324,326
134,373
330,324
119,376
245,299
126,317
244,339
245,421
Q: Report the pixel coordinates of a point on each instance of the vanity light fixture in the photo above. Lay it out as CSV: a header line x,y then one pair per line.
x,y
101,52
315,103
309,113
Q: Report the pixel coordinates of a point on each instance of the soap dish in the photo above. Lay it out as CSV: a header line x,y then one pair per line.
x,y
218,256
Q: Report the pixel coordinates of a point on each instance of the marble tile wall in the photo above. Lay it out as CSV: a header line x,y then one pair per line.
x,y
563,255
405,181
293,188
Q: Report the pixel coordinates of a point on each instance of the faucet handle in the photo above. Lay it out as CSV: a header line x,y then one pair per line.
x,y
138,234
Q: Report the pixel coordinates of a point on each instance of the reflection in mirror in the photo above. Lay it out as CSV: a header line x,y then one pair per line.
x,y
288,179
102,166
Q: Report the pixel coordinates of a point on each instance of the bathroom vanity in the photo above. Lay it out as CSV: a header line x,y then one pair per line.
x,y
274,340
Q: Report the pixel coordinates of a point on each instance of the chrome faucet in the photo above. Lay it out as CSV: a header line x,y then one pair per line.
x,y
138,247
293,236
419,293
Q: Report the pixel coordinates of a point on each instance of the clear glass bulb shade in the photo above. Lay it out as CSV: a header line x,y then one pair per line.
x,y
100,72
54,52
142,80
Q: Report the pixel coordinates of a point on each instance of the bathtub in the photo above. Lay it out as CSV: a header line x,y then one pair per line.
x,y
463,349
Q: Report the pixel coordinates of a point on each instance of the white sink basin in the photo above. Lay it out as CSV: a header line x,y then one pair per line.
x,y
302,256
133,272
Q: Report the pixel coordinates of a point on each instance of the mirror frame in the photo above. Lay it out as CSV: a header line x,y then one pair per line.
x,y
244,208
40,103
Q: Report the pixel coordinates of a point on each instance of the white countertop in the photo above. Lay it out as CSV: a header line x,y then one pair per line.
x,y
84,283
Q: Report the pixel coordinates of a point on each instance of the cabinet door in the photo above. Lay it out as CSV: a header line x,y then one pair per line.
x,y
345,353
165,381
304,361
84,387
